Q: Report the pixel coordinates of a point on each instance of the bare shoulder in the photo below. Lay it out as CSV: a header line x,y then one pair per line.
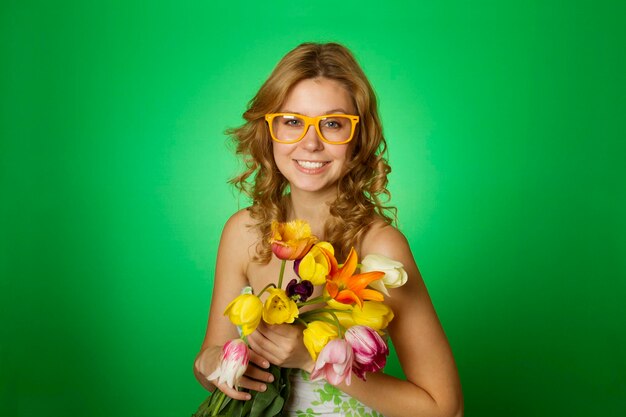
x,y
239,237
384,239
240,225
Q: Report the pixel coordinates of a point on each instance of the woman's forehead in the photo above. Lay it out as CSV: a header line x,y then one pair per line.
x,y
317,96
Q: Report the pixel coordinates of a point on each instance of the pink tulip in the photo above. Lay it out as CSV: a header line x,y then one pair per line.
x,y
334,363
233,364
370,350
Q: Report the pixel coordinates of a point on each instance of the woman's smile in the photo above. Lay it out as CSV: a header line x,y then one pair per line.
x,y
311,167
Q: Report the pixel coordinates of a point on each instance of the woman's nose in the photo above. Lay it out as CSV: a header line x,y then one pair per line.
x,y
311,140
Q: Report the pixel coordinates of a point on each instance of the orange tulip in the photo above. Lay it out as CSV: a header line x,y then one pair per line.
x,y
291,240
347,288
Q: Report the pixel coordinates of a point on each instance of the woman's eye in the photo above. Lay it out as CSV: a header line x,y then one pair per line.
x,y
332,124
292,122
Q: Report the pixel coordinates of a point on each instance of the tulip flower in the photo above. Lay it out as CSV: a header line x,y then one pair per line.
x,y
343,312
291,240
317,335
373,314
279,308
233,363
299,291
395,275
370,350
245,311
334,363
347,288
316,264
345,318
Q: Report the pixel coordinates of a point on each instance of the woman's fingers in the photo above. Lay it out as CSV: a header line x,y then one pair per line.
x,y
252,384
262,346
283,330
279,344
233,393
258,360
259,374
246,383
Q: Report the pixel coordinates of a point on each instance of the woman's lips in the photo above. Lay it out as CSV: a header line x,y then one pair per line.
x,y
310,167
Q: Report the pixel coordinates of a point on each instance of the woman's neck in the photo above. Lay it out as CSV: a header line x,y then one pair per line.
x,y
312,207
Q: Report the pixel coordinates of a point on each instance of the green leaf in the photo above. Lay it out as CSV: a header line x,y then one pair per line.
x,y
274,407
208,406
285,390
247,406
235,408
275,370
262,400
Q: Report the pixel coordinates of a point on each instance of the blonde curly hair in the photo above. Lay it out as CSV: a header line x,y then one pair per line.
x,y
362,189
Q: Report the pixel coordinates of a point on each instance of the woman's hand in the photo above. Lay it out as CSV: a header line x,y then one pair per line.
x,y
282,345
254,378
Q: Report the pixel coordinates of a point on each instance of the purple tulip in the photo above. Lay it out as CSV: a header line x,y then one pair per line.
x,y
299,291
370,350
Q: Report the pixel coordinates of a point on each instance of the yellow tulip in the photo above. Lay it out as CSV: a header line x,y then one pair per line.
x,y
373,314
315,265
345,318
291,240
279,308
317,335
336,305
245,311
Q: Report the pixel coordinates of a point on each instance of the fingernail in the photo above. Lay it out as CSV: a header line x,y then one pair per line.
x,y
248,397
266,364
270,378
263,388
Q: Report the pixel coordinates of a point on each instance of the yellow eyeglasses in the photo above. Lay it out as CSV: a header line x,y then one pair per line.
x,y
335,129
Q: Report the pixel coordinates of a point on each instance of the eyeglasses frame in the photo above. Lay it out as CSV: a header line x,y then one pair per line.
x,y
312,121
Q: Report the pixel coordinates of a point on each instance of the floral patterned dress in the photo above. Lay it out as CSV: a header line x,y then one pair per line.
x,y
319,398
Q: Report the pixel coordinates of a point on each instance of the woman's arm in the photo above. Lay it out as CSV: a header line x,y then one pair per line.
x,y
230,278
432,386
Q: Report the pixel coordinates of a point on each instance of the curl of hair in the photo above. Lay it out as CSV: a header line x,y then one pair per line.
x,y
361,190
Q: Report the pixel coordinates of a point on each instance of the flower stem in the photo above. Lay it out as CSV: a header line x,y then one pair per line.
x,y
282,272
219,404
339,326
266,287
316,300
299,320
320,311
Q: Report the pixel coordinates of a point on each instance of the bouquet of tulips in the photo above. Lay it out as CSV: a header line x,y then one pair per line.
x,y
342,334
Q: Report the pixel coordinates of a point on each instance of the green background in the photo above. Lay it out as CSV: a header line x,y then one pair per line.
x,y
505,123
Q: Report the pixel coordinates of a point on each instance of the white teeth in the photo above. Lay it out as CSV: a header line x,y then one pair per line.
x,y
310,165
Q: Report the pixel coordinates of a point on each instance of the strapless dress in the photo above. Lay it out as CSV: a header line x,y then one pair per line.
x,y
319,398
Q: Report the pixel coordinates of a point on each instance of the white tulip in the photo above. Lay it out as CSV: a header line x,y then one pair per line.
x,y
395,275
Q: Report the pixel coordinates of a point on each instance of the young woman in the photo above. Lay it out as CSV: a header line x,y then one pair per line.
x,y
314,150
